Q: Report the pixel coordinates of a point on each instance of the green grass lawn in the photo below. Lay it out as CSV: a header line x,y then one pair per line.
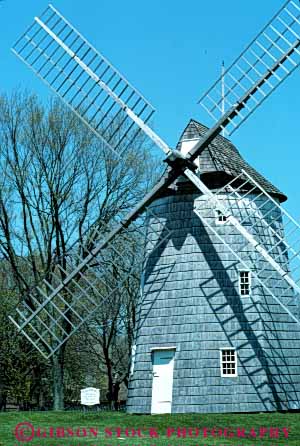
x,y
99,421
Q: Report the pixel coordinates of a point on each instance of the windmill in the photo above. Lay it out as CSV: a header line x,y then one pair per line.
x,y
218,327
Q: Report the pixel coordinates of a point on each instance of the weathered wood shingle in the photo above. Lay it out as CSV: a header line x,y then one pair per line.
x,y
222,156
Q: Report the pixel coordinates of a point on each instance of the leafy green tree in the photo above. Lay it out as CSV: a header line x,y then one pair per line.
x,y
22,370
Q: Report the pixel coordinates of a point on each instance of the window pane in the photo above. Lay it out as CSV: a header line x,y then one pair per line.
x,y
228,362
244,283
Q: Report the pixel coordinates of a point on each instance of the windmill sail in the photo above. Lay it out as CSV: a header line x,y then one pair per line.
x,y
85,81
266,62
275,259
86,278
237,219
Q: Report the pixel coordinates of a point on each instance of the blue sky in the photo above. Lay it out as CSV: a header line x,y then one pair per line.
x,y
172,51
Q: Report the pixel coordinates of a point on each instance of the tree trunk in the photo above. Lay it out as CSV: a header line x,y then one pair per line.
x,y
41,399
116,389
58,379
3,397
109,372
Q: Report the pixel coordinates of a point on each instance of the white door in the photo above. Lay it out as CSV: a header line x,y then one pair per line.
x,y
162,384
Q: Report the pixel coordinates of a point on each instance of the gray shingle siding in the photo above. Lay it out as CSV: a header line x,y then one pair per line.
x,y
191,301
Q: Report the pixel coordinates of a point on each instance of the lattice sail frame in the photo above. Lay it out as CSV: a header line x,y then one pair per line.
x,y
85,279
266,62
272,229
85,80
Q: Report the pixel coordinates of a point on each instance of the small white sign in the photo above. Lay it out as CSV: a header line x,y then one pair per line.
x,y
90,396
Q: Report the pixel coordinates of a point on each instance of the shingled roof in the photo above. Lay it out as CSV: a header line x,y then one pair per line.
x,y
222,156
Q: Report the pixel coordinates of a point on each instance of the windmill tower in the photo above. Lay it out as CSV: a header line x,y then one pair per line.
x,y
209,338
218,326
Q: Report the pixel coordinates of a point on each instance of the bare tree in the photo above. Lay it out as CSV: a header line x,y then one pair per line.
x,y
109,336
57,181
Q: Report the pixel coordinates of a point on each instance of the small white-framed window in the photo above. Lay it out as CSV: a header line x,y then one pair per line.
x,y
221,219
245,283
228,362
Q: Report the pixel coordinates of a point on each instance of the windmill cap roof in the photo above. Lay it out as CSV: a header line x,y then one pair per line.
x,y
223,157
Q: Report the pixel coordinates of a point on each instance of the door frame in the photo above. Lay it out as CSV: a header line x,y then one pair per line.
x,y
158,349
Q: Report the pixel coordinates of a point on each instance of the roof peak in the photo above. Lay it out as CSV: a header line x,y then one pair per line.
x,y
195,129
